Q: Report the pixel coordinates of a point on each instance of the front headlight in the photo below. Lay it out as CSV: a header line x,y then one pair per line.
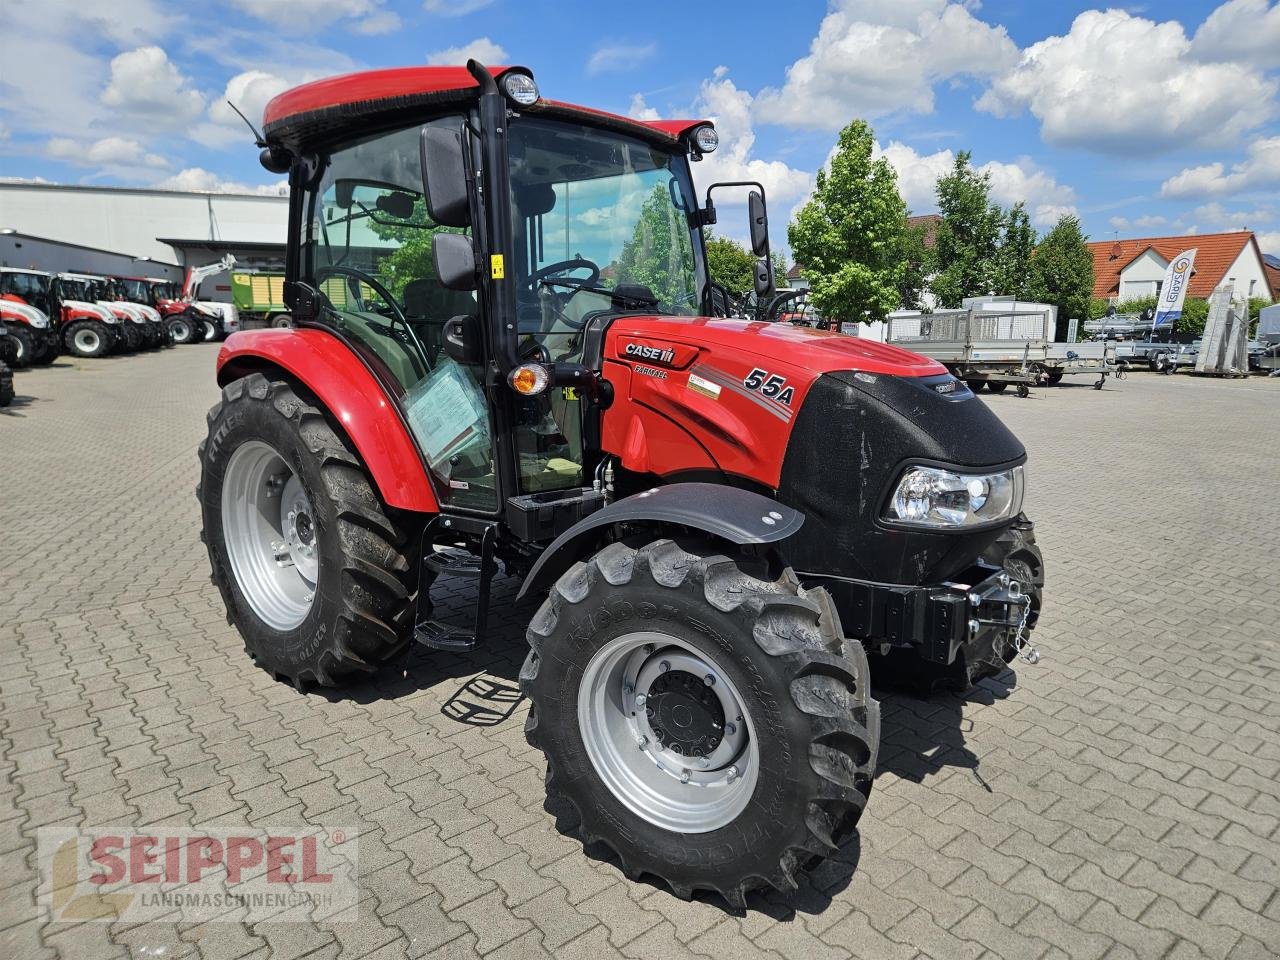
x,y
948,500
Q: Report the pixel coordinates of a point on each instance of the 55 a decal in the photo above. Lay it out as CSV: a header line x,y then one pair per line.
x,y
772,385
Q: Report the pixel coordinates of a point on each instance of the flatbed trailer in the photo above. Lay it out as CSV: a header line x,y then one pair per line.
x,y
985,345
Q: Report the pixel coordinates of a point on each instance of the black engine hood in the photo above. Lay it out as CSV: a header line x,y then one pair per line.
x,y
852,438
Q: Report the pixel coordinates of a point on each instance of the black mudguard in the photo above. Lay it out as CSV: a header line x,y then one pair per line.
x,y
741,517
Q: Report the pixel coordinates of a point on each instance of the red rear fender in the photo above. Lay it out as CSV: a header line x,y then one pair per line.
x,y
326,367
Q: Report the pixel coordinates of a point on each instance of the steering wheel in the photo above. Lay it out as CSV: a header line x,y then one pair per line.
x,y
577,263
360,275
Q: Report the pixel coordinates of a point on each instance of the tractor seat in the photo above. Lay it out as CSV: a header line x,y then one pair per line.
x,y
428,305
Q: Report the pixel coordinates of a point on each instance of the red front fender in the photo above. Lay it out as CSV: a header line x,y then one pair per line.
x,y
326,367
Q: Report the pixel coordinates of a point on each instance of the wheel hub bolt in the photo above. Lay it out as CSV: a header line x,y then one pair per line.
x,y
684,775
641,699
642,742
704,761
664,666
648,649
732,773
628,688
709,680
730,729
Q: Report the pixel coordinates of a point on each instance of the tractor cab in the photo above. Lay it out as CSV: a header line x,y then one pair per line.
x,y
585,217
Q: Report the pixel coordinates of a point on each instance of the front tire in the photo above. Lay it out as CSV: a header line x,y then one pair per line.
x,y
780,790
208,331
25,346
6,385
313,568
997,386
87,338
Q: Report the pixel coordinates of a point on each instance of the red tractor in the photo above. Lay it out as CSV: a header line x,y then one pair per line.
x,y
507,355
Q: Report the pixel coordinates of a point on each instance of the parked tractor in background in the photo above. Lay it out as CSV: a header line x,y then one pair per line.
x,y
218,319
721,517
88,328
186,321
155,332
131,321
31,313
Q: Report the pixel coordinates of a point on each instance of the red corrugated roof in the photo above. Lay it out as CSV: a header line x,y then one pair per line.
x,y
1216,252
1273,278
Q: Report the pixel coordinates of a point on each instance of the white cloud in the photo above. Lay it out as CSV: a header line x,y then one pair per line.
x,y
454,8
145,84
1245,31
615,58
1146,222
107,152
307,16
873,57
482,49
1259,170
1270,243
1020,181
199,180
730,109
1116,81
1219,217
250,91
640,110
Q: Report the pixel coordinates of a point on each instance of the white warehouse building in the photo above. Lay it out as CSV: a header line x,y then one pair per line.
x,y
167,227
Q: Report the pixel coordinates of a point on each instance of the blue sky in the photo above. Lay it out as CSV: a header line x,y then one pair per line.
x,y
1143,120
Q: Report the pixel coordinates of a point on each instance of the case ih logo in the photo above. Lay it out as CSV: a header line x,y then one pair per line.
x,y
640,351
240,876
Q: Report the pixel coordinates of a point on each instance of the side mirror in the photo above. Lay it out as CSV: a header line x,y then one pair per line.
x,y
455,260
764,277
462,340
444,176
759,224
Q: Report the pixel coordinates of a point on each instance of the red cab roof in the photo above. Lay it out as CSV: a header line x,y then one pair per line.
x,y
315,108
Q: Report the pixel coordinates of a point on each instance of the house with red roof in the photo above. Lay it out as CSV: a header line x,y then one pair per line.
x,y
1130,269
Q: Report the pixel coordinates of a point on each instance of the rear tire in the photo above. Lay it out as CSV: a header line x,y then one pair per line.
x,y
358,615
1053,377
132,336
997,386
6,385
975,385
282,320
208,331
87,338
773,648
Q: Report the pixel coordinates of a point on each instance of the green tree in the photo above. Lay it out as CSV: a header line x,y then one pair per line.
x,y
968,238
917,263
849,234
731,265
780,271
1013,259
1062,272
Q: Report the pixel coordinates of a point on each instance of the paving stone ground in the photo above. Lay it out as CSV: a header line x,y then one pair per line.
x,y
1118,800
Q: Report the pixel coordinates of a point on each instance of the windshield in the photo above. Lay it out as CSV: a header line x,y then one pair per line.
x,y
136,290
601,222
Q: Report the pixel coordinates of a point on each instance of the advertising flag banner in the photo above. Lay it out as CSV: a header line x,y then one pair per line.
x,y
1174,289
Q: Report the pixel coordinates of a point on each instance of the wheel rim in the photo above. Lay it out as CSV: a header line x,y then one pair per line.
x,y
209,330
86,340
648,719
180,330
269,530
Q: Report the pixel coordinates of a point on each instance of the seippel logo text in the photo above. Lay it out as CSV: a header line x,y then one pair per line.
x,y
114,874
